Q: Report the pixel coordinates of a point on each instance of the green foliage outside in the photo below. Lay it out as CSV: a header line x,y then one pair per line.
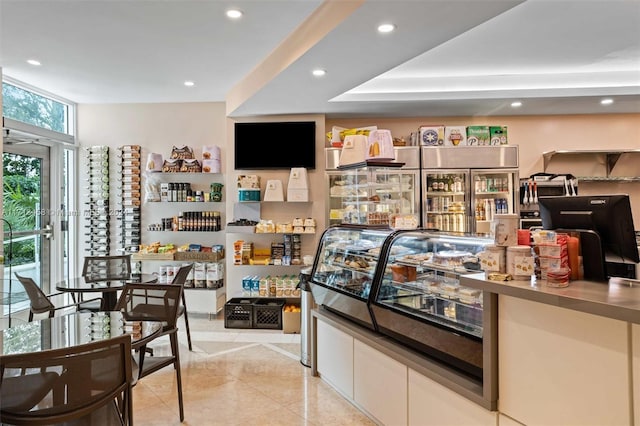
x,y
31,108
21,194
21,180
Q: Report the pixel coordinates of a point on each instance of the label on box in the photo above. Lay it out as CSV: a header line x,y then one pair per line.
x,y
455,136
498,135
478,135
432,135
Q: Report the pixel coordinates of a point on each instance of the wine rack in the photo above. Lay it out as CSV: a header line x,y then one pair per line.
x,y
130,194
98,213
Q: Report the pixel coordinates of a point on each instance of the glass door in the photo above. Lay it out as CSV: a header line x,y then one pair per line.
x,y
495,191
446,199
26,214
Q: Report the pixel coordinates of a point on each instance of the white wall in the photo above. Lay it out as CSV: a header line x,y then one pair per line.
x,y
156,128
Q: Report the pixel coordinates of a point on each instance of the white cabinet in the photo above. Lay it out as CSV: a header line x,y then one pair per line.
x,y
380,385
431,404
335,358
560,366
376,375
635,368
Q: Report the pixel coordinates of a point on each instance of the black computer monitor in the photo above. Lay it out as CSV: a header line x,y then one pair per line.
x,y
607,215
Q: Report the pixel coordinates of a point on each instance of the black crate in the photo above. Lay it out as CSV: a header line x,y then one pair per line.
x,y
238,313
267,313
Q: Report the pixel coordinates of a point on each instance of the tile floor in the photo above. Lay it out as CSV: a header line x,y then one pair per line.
x,y
240,377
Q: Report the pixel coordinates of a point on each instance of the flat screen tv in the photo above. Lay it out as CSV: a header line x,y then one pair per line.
x,y
609,216
275,145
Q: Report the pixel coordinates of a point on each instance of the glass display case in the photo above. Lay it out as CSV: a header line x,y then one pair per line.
x,y
405,284
371,193
420,302
396,184
344,269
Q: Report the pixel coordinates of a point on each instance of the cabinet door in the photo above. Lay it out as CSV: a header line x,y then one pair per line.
x,y
380,385
446,200
335,358
635,338
495,191
560,367
431,404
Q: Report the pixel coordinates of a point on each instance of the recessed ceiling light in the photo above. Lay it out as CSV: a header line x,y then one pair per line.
x,y
189,83
386,28
33,62
318,72
607,101
234,13
516,104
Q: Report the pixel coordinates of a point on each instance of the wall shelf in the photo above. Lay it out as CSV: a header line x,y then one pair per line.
x,y
608,158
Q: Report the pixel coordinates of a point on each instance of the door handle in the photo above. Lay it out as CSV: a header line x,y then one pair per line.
x,y
47,231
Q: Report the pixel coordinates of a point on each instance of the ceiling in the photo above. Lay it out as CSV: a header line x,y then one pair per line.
x,y
445,58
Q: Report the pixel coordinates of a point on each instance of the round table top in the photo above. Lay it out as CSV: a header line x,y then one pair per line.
x,y
74,329
80,285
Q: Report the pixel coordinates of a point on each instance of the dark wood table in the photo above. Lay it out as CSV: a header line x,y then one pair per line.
x,y
74,329
109,289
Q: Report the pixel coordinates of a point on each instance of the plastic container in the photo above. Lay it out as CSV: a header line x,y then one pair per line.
x,y
520,262
558,277
238,313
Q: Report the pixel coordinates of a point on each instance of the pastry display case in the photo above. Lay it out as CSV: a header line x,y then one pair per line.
x,y
344,269
404,284
419,301
372,193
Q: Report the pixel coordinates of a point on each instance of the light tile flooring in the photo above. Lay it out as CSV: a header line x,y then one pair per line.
x,y
240,377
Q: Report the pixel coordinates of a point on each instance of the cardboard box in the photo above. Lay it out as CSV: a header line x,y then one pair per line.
x,y
478,135
432,135
498,135
291,320
455,136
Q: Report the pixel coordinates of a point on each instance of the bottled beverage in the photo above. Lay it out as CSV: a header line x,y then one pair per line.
x,y
450,184
441,181
456,184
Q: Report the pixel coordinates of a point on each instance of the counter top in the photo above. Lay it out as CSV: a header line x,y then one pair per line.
x,y
618,299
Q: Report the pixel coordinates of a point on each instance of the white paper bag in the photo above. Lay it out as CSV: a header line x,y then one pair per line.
x,y
380,146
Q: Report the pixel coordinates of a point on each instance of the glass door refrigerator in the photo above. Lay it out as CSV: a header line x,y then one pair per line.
x,y
464,186
402,187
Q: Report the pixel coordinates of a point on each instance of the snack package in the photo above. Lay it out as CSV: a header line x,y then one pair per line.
x,y
171,166
182,153
191,166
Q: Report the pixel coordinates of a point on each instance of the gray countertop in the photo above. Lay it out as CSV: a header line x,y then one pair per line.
x,y
618,299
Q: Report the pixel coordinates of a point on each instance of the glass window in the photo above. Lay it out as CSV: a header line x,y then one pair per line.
x,y
35,109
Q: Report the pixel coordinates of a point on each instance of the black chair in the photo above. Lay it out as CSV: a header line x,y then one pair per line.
x,y
41,303
154,302
86,384
180,279
106,268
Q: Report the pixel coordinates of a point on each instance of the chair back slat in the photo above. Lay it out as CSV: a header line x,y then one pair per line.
x,y
182,274
150,302
39,301
62,385
105,268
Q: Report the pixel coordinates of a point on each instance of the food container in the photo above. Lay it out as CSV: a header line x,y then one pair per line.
x,y
558,277
493,259
520,262
248,194
504,228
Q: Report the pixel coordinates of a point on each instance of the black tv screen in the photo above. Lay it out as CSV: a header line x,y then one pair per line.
x,y
275,145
